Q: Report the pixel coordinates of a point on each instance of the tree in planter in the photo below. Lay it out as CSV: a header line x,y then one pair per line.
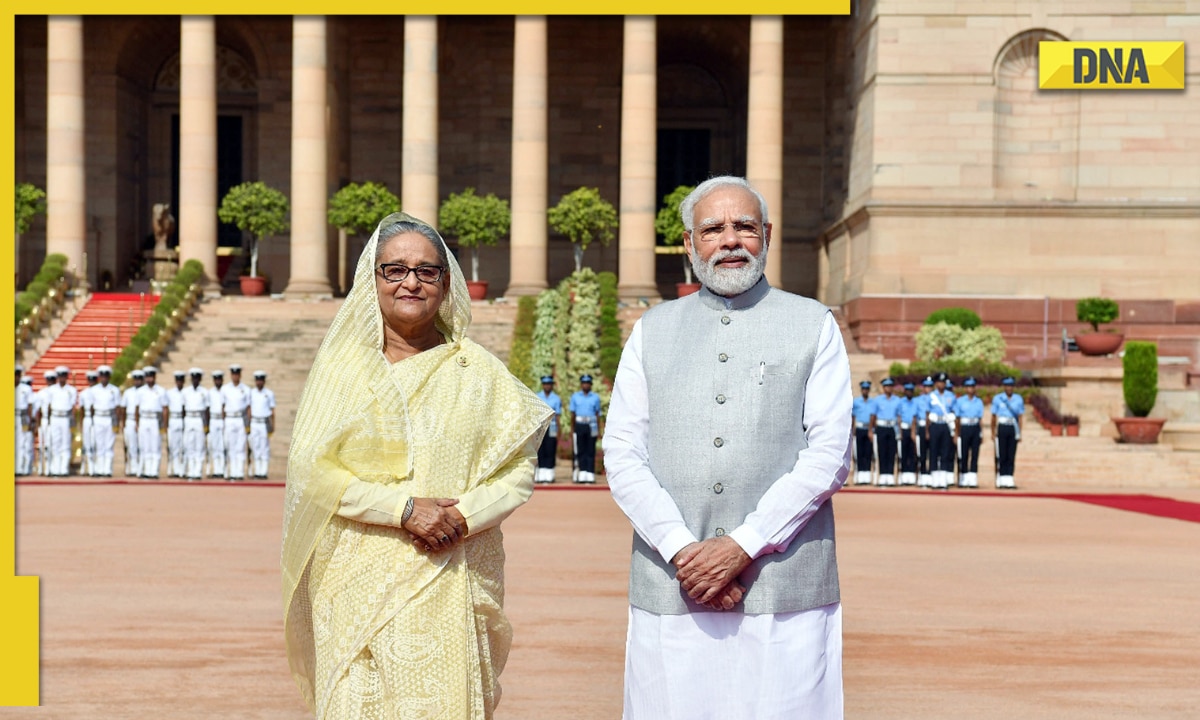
x,y
668,223
1095,311
583,216
258,209
1140,381
357,209
475,220
31,202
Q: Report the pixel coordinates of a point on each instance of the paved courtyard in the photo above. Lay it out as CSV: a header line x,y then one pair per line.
x,y
162,601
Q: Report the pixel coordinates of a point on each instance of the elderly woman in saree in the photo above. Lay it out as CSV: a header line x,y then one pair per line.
x,y
411,444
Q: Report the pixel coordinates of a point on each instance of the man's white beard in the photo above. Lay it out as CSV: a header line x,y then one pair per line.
x,y
729,282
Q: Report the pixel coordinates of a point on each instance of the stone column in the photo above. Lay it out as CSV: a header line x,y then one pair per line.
x,y
66,189
639,159
198,142
310,185
419,153
530,176
764,124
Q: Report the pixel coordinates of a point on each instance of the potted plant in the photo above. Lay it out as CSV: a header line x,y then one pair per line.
x,y
669,225
260,210
583,216
357,209
1096,311
1140,383
475,220
1071,425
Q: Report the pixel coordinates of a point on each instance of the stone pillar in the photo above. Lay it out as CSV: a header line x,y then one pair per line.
x,y
198,142
310,183
66,188
764,125
639,159
419,153
530,176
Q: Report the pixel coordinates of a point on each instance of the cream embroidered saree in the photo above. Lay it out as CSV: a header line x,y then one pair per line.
x,y
376,628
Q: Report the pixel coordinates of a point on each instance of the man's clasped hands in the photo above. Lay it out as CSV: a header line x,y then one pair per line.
x,y
708,572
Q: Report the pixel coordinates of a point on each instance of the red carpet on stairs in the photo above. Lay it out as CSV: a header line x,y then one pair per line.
x,y
1147,504
95,336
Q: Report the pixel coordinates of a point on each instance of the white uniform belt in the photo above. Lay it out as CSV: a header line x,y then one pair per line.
x,y
259,420
60,413
1005,420
176,414
194,413
860,425
584,418
885,423
939,422
234,415
968,421
102,413
921,423
905,426
148,413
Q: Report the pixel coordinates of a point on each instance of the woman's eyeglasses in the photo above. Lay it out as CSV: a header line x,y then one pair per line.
x,y
395,272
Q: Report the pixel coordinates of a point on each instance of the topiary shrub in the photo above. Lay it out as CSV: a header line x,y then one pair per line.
x,y
962,317
549,303
937,341
583,216
1141,377
610,327
520,354
1095,311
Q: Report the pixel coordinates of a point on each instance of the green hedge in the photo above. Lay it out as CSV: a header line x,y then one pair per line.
x,y
170,299
1141,377
962,317
610,327
520,354
48,275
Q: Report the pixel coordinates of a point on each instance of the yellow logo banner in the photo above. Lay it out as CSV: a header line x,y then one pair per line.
x,y
1155,65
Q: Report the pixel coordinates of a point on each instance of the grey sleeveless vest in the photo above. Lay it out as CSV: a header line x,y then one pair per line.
x,y
726,397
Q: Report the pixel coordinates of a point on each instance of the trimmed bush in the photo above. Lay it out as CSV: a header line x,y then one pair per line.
x,y
1095,311
610,328
520,355
962,317
1140,380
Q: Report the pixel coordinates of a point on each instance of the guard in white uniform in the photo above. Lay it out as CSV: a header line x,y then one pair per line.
x,y
195,418
262,424
62,401
42,408
127,418
151,419
216,426
24,423
237,407
106,399
175,448
88,442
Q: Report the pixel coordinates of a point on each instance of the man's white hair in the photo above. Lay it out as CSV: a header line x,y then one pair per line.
x,y
687,208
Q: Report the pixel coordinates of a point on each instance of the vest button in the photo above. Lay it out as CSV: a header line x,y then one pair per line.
x,y
724,319
718,442
720,532
722,357
720,399
718,488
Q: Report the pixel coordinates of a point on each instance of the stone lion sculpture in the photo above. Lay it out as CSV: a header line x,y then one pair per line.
x,y
164,225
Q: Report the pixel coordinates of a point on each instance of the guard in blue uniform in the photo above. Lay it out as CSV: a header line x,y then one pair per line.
x,y
548,450
585,407
1007,409
922,432
885,417
908,429
941,444
862,435
968,412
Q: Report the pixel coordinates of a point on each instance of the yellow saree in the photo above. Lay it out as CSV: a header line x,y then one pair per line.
x,y
376,628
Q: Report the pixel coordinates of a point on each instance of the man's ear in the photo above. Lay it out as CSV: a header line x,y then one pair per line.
x,y
767,235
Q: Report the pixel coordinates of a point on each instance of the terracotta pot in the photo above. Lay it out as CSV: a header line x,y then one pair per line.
x,y
1055,429
682,289
1099,343
253,285
477,289
1139,431
1072,430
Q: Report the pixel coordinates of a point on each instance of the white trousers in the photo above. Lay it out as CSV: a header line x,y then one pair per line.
x,y
43,446
103,441
60,446
24,448
235,446
89,447
260,448
175,448
133,465
216,447
725,665
193,447
149,447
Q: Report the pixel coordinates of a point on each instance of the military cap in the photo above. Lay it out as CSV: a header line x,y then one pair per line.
x,y
104,370
547,379
1008,381
888,382
179,374
585,379
218,373
909,386
91,375
49,374
969,382
20,368
940,377
150,370
26,380
927,382
137,374
260,374
196,372
62,370
235,368
865,384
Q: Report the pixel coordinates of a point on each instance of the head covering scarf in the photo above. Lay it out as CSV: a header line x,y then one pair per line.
x,y
355,421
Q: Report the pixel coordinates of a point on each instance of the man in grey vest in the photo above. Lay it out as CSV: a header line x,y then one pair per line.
x,y
728,433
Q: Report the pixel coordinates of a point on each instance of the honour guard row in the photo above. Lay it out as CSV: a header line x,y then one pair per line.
x,y
584,407
933,435
207,429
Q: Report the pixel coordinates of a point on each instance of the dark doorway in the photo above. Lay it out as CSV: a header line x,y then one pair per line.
x,y
683,158
229,171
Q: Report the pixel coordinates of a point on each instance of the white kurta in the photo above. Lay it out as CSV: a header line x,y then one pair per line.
x,y
729,664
